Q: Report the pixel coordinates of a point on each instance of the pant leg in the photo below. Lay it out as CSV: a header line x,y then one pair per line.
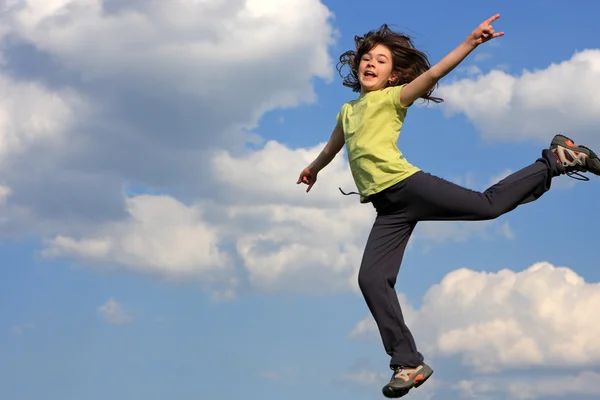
x,y
428,197
377,278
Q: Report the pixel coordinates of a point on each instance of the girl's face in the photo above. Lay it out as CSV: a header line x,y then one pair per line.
x,y
375,69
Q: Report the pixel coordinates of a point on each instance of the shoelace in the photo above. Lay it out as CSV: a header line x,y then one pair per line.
x,y
349,193
577,169
575,172
571,174
403,373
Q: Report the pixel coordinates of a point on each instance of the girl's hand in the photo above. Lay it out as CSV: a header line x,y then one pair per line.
x,y
308,178
485,32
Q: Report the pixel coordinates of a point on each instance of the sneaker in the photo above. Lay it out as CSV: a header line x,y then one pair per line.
x,y
575,158
404,379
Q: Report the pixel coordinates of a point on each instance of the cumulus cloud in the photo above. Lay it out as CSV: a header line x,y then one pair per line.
x,y
269,175
584,383
264,228
163,86
131,154
493,321
298,244
170,43
176,60
287,238
534,104
34,119
32,114
161,236
114,313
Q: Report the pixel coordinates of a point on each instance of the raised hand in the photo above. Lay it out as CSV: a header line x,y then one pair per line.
x,y
485,32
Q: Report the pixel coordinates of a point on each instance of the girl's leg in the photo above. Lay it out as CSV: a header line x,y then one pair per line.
x,y
429,198
377,277
426,197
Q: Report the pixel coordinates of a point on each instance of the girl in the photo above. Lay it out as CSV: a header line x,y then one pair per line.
x,y
390,75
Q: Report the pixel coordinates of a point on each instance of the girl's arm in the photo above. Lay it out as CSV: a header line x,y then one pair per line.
x,y
308,176
333,146
427,80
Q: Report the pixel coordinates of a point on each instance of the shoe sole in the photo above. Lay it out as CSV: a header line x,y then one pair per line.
x,y
394,393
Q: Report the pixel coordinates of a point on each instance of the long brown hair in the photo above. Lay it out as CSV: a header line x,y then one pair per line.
x,y
407,61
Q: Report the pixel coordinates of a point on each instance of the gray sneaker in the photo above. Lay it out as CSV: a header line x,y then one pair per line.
x,y
575,158
404,379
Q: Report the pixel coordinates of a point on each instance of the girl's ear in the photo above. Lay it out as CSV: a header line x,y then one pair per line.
x,y
393,77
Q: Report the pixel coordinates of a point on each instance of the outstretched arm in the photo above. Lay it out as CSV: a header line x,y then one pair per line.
x,y
427,80
308,175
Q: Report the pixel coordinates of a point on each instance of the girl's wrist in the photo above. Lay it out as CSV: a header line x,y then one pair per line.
x,y
470,43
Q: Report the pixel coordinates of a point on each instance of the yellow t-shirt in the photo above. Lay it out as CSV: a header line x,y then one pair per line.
x,y
372,125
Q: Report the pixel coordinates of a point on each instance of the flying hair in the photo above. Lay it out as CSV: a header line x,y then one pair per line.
x,y
407,61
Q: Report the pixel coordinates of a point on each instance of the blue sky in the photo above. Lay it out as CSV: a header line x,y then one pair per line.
x,y
154,244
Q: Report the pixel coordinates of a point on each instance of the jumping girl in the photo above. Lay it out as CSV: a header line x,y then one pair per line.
x,y
390,74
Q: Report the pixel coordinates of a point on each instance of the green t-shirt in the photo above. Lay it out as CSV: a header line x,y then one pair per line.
x,y
372,125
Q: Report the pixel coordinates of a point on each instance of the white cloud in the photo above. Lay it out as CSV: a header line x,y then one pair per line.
x,y
190,46
264,228
170,91
494,321
30,113
287,238
164,86
302,248
161,236
282,246
269,175
533,105
174,36
114,313
168,83
583,383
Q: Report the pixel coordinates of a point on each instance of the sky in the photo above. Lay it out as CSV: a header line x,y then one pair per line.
x,y
154,243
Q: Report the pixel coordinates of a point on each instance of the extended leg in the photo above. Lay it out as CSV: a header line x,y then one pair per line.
x,y
431,198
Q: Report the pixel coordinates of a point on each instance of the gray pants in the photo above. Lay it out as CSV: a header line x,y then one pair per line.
x,y
424,197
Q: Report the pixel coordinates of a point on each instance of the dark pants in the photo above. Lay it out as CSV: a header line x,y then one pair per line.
x,y
424,197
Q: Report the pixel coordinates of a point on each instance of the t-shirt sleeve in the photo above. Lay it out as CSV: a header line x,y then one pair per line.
x,y
340,115
395,98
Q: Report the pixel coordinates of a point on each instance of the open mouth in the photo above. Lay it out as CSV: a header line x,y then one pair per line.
x,y
369,74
